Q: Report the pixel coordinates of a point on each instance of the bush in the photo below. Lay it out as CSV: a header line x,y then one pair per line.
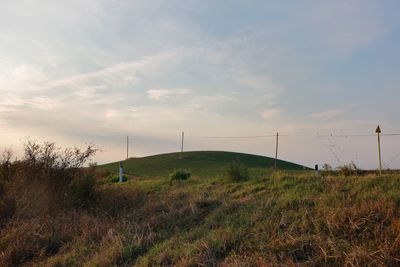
x,y
47,176
114,178
349,169
83,189
237,172
7,167
7,208
179,175
327,167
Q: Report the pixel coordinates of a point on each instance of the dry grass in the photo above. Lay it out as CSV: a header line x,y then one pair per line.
x,y
281,218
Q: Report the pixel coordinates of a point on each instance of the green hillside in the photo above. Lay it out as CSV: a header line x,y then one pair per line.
x,y
201,163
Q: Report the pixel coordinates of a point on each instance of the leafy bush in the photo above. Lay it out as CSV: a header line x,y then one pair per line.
x,y
179,175
237,172
114,178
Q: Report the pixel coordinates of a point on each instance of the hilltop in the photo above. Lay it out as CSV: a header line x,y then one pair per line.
x,y
201,163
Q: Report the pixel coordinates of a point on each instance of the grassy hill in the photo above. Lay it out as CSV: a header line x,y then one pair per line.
x,y
201,163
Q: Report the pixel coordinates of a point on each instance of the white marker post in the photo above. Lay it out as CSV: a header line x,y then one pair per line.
x,y
378,132
316,171
121,172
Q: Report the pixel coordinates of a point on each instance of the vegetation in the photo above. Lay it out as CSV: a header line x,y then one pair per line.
x,y
179,175
201,163
272,218
237,172
114,178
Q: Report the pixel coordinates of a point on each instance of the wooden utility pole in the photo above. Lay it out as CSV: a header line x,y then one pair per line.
x,y
378,132
127,147
276,151
183,138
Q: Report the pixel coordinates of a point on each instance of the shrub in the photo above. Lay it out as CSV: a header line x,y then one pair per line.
x,y
114,178
48,176
7,167
179,175
327,167
83,189
237,172
7,208
349,169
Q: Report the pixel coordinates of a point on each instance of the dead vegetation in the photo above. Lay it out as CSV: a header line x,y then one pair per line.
x,y
53,214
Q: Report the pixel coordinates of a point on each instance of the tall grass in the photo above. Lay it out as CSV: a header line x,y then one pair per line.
x,y
271,219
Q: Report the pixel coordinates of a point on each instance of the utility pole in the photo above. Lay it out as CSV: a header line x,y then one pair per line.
x,y
276,151
127,147
378,132
183,138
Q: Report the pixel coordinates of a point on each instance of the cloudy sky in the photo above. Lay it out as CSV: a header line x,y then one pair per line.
x,y
95,71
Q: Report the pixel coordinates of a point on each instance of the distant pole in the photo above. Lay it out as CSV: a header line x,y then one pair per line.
x,y
276,151
127,147
378,132
183,138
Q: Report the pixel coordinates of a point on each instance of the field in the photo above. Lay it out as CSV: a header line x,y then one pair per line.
x,y
274,218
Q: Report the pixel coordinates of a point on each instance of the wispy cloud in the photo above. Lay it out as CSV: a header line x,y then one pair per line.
x,y
328,114
162,94
270,113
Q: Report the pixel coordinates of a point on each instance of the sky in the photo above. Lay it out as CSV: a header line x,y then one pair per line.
x,y
94,71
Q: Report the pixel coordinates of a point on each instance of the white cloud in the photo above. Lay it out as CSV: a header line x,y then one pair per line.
x,y
162,94
327,115
270,113
158,94
43,103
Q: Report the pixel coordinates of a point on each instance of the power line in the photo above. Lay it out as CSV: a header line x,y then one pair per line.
x,y
298,135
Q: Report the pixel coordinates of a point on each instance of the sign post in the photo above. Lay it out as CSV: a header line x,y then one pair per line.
x,y
378,132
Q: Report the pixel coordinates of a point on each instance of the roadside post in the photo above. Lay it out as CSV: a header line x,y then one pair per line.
x,y
121,172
